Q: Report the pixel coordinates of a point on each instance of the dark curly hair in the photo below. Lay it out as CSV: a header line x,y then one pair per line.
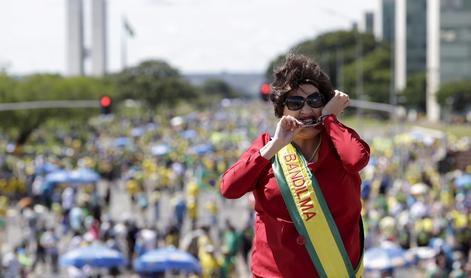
x,y
294,72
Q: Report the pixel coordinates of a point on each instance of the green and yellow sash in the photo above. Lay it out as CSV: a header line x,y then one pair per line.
x,y
311,215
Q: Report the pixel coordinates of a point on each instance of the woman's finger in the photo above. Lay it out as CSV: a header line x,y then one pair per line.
x,y
284,122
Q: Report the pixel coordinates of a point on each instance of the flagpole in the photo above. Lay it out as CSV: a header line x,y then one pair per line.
x,y
123,45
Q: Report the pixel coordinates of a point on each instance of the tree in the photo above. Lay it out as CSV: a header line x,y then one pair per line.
x,y
7,87
41,87
332,51
376,76
415,91
154,82
219,88
457,94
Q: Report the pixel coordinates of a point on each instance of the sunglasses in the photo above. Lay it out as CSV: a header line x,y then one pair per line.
x,y
314,100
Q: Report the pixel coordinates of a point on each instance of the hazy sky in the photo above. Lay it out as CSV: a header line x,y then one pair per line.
x,y
192,35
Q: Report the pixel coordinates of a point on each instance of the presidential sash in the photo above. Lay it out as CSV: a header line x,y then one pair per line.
x,y
311,215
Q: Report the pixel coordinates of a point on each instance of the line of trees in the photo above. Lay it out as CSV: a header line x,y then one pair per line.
x,y
339,52
152,83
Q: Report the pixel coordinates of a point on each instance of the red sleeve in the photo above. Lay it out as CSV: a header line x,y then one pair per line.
x,y
242,177
352,150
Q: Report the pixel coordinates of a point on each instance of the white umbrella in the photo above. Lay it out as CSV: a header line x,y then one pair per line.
x,y
419,189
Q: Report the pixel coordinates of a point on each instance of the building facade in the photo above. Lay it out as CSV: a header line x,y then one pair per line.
x,y
455,40
388,9
432,37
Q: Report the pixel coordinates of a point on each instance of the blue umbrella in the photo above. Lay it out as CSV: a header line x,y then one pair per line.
x,y
151,126
463,181
439,244
121,142
138,131
163,259
96,255
188,134
46,168
76,177
423,252
373,161
202,149
386,258
160,149
59,176
83,176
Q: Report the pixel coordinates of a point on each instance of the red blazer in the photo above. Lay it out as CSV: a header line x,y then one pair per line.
x,y
278,249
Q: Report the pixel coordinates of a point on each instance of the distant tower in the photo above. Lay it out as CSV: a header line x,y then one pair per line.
x,y
75,51
99,34
388,19
75,38
369,22
433,60
409,37
400,38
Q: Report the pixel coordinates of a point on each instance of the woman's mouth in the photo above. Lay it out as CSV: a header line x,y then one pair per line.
x,y
309,122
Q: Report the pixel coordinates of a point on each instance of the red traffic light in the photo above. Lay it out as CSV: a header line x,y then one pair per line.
x,y
265,89
105,101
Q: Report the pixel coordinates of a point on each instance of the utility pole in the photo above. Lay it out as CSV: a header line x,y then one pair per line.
x,y
339,66
392,90
126,31
359,69
123,46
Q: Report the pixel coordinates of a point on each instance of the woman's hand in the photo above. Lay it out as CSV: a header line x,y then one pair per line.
x,y
287,127
337,104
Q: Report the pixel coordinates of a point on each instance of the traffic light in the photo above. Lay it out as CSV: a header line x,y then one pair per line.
x,y
265,91
105,105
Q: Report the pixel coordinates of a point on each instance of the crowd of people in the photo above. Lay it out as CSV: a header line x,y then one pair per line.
x,y
409,199
159,184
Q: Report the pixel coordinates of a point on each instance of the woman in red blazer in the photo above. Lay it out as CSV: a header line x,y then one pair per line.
x,y
307,108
